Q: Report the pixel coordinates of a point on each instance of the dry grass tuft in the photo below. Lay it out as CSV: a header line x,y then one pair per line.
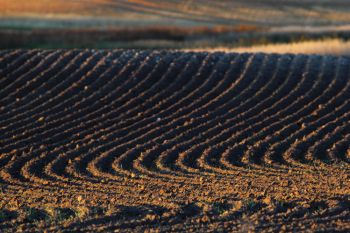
x,y
323,47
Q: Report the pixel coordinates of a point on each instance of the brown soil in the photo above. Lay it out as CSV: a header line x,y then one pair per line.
x,y
172,141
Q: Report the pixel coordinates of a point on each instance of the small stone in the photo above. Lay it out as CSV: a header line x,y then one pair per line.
x,y
151,217
205,219
79,198
238,205
267,200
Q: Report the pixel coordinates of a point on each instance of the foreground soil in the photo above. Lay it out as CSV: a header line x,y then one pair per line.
x,y
173,141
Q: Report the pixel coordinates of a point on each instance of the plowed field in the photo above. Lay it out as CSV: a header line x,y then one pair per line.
x,y
173,141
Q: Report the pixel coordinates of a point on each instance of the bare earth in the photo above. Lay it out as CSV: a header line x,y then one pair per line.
x,y
172,142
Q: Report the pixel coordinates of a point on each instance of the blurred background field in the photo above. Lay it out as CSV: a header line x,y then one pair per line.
x,y
182,24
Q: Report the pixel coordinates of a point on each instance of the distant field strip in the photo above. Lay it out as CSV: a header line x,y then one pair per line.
x,y
188,12
201,127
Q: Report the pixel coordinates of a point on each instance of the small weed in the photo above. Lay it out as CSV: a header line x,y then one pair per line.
x,y
62,214
249,205
6,215
318,206
34,214
96,210
280,206
220,208
81,212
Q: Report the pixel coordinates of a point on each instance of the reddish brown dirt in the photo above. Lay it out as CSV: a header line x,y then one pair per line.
x,y
172,141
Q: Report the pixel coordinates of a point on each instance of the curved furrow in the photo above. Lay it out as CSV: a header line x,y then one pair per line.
x,y
169,145
220,62
183,139
146,113
269,123
27,72
58,165
290,121
164,91
107,136
262,148
7,56
153,74
265,72
212,94
115,164
17,70
293,152
281,97
142,70
340,150
278,92
55,95
335,102
323,115
25,124
29,68
32,86
325,136
169,74
11,61
104,115
89,74
56,124
76,148
216,73
13,169
319,212
207,64
250,108
67,92
44,76
173,141
43,93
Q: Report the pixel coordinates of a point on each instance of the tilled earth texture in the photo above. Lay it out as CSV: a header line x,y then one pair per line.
x,y
173,142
